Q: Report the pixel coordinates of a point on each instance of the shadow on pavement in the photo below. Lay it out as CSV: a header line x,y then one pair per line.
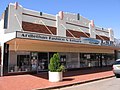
x,y
77,72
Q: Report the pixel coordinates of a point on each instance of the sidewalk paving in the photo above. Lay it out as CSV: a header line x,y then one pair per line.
x,y
40,81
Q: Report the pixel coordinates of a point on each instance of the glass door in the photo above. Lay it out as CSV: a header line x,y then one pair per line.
x,y
34,61
42,61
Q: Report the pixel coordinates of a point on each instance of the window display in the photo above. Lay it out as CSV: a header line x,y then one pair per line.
x,y
34,60
38,61
89,60
23,64
63,60
72,61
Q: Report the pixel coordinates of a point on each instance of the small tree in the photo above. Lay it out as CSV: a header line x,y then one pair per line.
x,y
54,65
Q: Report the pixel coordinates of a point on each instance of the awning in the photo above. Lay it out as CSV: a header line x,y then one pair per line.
x,y
19,44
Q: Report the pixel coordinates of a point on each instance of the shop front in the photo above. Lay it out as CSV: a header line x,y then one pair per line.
x,y
32,55
24,61
38,61
30,38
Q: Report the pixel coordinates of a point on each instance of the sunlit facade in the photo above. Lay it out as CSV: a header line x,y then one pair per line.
x,y
29,39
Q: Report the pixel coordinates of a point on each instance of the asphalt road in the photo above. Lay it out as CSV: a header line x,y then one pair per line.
x,y
105,84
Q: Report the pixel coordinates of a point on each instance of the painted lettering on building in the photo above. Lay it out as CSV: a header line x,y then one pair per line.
x,y
82,40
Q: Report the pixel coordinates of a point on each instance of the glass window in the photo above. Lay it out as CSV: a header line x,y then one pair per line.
x,y
83,60
70,60
34,61
63,60
110,59
23,63
89,60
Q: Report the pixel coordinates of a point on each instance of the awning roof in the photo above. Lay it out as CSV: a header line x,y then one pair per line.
x,y
19,44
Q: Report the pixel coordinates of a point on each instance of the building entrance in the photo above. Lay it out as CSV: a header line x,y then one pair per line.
x,y
42,61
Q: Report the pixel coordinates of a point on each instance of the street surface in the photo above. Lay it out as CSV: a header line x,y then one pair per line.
x,y
105,84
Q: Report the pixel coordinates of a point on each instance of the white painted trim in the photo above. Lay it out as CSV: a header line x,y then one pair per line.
x,y
9,36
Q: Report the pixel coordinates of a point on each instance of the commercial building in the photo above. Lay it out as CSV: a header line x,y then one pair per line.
x,y
29,38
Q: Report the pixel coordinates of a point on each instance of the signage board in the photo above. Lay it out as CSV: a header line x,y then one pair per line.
x,y
107,43
91,41
36,36
82,40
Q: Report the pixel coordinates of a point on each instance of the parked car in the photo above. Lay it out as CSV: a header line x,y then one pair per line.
x,y
116,68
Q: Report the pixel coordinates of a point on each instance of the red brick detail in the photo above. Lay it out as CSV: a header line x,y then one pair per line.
x,y
104,37
27,26
77,34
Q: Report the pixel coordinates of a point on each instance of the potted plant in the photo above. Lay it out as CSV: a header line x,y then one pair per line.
x,y
55,69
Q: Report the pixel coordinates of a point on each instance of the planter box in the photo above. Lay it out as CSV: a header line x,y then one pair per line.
x,y
55,76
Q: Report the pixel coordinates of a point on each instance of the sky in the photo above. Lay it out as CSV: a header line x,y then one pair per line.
x,y
105,13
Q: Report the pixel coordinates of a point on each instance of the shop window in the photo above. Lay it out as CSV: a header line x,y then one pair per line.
x,y
63,60
33,61
84,60
23,64
89,60
108,59
73,61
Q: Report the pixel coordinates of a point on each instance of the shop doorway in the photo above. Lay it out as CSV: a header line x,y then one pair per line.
x,y
42,61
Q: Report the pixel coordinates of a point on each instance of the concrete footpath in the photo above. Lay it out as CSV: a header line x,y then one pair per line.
x,y
40,81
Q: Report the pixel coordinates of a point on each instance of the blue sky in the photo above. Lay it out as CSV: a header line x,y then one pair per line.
x,y
105,13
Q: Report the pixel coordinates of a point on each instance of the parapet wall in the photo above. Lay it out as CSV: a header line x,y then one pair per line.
x,y
61,24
